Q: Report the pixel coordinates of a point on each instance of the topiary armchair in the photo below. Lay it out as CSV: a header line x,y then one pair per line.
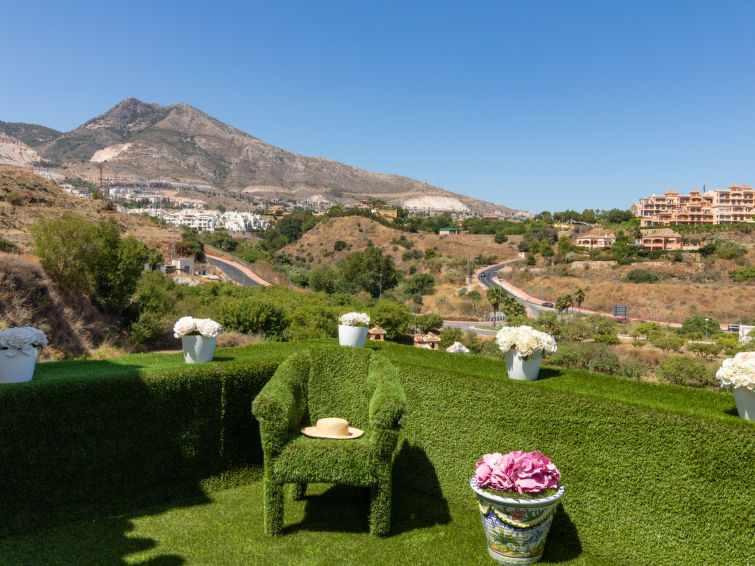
x,y
351,383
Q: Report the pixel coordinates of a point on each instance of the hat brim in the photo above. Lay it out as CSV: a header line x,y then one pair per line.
x,y
311,432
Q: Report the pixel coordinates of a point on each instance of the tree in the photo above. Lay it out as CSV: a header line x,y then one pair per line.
x,y
421,283
700,325
66,247
324,277
564,303
475,298
500,238
494,296
391,317
579,296
450,335
429,322
511,307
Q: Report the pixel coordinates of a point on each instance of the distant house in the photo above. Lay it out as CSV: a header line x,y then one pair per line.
x,y
184,265
447,230
592,240
663,239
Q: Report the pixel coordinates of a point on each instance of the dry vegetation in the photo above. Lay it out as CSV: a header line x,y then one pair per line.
x,y
356,231
685,289
29,298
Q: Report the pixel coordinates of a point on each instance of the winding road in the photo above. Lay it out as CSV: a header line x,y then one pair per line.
x,y
236,272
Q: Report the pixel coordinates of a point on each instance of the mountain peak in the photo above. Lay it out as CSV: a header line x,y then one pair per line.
x,y
128,114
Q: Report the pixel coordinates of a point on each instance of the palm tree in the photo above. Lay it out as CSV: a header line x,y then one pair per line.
x,y
564,302
475,298
579,296
494,298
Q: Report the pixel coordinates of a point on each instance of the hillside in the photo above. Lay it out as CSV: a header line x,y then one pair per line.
x,y
179,143
31,134
28,297
357,231
26,197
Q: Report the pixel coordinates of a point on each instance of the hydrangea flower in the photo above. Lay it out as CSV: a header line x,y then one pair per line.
x,y
738,371
529,472
190,326
525,340
21,339
354,319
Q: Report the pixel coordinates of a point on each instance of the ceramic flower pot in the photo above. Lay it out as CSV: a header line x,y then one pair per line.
x,y
516,529
17,368
352,335
198,349
745,399
523,369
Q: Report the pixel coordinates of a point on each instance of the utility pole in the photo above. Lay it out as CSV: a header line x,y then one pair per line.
x,y
469,267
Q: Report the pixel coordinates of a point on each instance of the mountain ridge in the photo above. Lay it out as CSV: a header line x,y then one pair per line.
x,y
181,143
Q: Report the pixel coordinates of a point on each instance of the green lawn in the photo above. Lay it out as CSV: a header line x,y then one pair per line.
x,y
328,527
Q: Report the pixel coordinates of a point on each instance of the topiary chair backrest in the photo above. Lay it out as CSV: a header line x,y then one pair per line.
x,y
339,385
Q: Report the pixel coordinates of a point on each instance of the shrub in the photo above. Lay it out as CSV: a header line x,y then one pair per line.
x,y
668,343
683,370
641,276
704,350
604,361
419,284
339,245
730,249
742,275
633,368
250,316
450,335
461,292
698,325
391,317
8,247
307,322
430,322
500,238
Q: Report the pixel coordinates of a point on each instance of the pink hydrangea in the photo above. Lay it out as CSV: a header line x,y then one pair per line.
x,y
530,472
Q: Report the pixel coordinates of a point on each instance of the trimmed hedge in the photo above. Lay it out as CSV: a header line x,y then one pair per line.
x,y
654,474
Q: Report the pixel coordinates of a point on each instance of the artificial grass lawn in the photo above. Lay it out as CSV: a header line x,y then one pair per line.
x,y
328,527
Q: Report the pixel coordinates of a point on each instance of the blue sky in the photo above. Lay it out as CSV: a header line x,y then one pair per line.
x,y
534,105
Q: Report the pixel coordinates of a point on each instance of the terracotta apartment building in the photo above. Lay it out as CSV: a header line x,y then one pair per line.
x,y
735,204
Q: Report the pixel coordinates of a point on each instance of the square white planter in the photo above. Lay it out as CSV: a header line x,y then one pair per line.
x,y
198,349
18,368
352,335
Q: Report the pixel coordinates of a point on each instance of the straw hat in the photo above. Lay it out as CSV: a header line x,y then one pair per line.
x,y
332,428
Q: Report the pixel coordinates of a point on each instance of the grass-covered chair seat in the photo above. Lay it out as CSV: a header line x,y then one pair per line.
x,y
351,383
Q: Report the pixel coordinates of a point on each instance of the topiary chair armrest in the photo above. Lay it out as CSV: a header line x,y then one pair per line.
x,y
281,404
388,401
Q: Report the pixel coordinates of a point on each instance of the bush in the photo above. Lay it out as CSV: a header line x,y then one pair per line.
x,y
704,350
8,247
667,343
250,316
391,317
339,245
683,370
430,322
604,361
419,284
450,335
500,238
742,275
641,276
633,369
698,325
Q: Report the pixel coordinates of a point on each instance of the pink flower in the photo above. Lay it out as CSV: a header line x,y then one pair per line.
x,y
530,472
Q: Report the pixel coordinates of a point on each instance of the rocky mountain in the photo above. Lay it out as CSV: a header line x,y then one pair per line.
x,y
14,152
179,143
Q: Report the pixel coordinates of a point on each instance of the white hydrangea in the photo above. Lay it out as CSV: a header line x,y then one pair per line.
x,y
354,319
525,340
24,339
208,327
185,326
738,371
190,326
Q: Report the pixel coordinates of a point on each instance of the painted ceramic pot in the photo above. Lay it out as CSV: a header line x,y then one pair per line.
x,y
516,529
745,399
523,369
198,349
17,368
352,335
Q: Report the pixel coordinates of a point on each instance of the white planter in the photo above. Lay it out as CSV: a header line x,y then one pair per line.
x,y
198,349
17,368
519,368
745,399
352,335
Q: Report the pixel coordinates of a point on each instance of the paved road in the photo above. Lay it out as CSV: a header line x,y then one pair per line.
x,y
233,272
487,278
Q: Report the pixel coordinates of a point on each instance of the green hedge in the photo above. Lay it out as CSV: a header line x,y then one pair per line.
x,y
654,474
